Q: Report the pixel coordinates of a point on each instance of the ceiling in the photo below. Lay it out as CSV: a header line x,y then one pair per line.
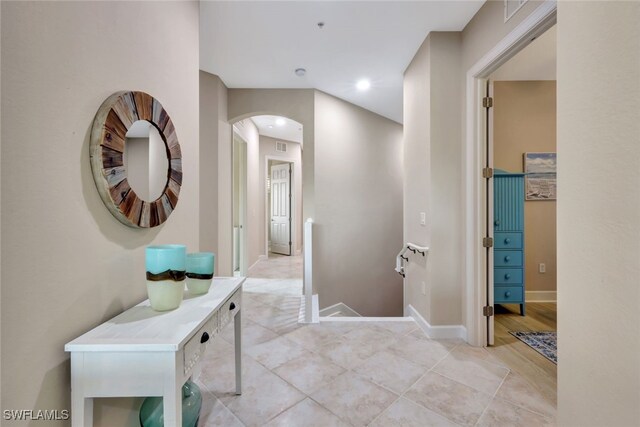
x,y
259,44
286,129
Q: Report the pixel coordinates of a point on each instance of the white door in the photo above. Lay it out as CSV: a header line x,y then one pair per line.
x,y
281,209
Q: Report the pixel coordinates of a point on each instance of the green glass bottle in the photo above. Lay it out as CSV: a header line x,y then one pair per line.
x,y
152,414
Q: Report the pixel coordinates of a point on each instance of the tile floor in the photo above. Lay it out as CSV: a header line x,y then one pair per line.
x,y
278,274
339,373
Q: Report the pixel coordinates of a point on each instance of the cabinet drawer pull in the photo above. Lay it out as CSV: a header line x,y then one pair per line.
x,y
507,294
507,276
497,222
507,241
507,258
204,338
232,306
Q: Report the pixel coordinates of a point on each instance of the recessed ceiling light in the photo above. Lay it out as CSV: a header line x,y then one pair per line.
x,y
300,72
363,84
280,121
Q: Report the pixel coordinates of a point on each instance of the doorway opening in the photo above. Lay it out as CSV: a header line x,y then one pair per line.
x,y
268,238
515,259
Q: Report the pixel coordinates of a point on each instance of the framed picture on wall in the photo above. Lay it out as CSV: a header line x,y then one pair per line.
x,y
540,178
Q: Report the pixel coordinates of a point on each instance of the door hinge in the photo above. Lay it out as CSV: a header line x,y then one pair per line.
x,y
487,311
487,242
487,102
487,173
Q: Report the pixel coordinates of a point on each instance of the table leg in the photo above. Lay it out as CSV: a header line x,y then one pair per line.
x,y
81,410
237,323
172,405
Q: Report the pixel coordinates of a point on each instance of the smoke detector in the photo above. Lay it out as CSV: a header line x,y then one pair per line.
x,y
300,72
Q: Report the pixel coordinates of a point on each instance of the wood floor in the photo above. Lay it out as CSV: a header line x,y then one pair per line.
x,y
518,356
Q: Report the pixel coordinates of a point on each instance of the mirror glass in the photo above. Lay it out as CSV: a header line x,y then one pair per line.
x,y
146,161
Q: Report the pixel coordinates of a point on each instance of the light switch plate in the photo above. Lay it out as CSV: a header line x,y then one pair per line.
x,y
423,218
542,268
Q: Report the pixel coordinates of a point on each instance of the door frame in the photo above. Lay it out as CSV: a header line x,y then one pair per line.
x,y
267,214
475,202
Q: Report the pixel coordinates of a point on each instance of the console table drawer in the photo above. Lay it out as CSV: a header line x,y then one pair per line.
x,y
229,309
195,347
510,294
507,258
507,276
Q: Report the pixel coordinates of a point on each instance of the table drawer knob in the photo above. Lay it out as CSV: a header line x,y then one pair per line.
x,y
232,306
205,338
507,294
507,276
507,258
507,241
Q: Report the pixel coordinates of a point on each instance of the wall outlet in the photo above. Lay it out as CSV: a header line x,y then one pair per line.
x,y
423,218
424,288
542,268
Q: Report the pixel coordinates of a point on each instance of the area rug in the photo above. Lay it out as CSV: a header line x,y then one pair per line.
x,y
545,343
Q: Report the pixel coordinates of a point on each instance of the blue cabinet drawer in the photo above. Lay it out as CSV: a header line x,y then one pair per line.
x,y
507,276
508,240
507,294
503,258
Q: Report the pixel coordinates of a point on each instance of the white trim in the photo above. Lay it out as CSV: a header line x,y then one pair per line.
x,y
541,296
535,24
340,309
437,332
366,319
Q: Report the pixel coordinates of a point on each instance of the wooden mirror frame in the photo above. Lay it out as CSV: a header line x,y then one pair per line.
x,y
108,138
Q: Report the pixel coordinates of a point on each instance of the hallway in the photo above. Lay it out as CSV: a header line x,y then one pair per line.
x,y
278,274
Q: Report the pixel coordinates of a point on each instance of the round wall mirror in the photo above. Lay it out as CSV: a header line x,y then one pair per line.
x,y
146,161
136,159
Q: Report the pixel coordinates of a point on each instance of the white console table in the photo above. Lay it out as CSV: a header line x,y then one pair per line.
x,y
143,352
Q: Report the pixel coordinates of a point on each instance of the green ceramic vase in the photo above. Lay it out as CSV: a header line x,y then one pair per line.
x,y
152,414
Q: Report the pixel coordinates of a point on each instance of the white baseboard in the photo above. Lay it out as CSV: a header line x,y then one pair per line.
x,y
437,332
262,257
366,319
541,296
339,310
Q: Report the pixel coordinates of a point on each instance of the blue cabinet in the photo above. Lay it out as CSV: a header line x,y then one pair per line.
x,y
508,237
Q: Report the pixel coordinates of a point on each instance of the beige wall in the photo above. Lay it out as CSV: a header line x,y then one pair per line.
x,y
432,162
524,120
293,154
68,264
598,213
213,129
358,203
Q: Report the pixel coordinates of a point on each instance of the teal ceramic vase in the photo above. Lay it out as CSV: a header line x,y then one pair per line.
x,y
166,273
199,272
152,414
